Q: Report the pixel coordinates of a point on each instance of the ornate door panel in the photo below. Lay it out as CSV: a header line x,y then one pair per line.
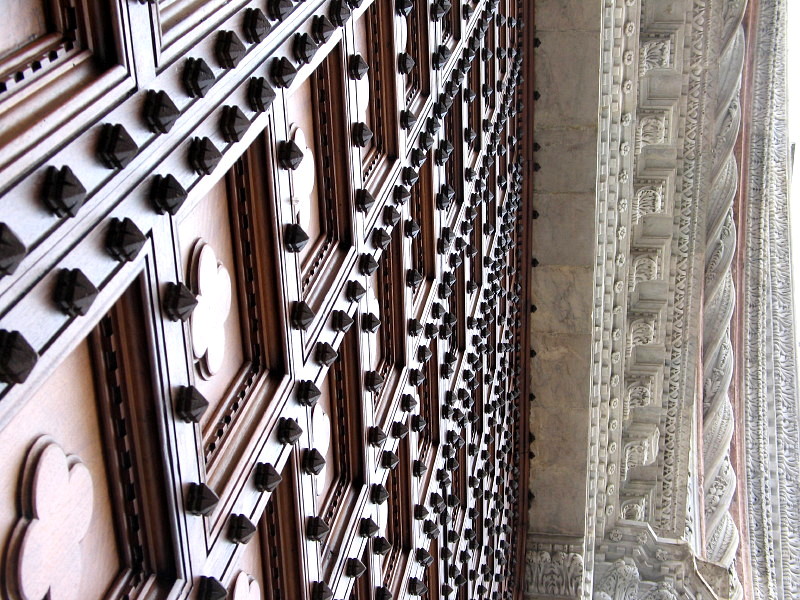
x,y
260,285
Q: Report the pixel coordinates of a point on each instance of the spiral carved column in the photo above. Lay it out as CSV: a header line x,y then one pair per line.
x,y
722,535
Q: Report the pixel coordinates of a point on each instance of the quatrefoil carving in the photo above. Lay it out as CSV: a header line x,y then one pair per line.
x,y
58,501
246,588
213,288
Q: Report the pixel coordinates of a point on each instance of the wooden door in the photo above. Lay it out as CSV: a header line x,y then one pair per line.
x,y
262,276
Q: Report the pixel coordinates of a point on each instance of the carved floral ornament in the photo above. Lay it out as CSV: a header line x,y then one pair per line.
x,y
303,180
213,287
45,551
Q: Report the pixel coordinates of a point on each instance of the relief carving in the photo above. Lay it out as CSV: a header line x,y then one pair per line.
x,y
57,501
553,573
213,289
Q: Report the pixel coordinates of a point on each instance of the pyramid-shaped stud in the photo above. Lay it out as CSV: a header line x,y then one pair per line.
x,y
440,109
230,49
212,589
447,590
367,264
381,238
256,25
438,60
376,436
416,377
407,403
389,459
302,316
322,29
313,462
266,478
354,568
355,291
289,431
240,529
283,72
426,140
414,327
368,528
364,200
404,7
401,194
190,404
370,323
391,216
405,63
362,135
419,468
357,67
407,119
410,176
12,250
203,155
431,330
317,529
341,321
17,357
201,500
167,194
233,124
420,512
116,148
280,9
198,78
423,557
260,94
373,381
160,112
307,393
411,229
418,157
456,260
446,553
416,587
322,591
63,192
294,238
443,153
399,430
414,278
470,94
431,530
304,48
290,155
443,201
381,546
179,302
424,354
339,12
325,354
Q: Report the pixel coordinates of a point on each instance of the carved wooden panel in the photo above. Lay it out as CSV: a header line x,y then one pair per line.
x,y
261,318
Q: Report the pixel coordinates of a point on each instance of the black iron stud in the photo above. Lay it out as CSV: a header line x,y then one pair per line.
x,y
404,7
63,193
322,29
233,124
280,9
405,63
373,382
12,250
201,500
370,323
212,589
313,462
354,568
317,529
256,25
290,155
340,12
362,135
266,478
260,94
364,200
357,67
190,404
302,316
295,238
230,49
355,291
367,264
240,529
197,77
368,528
289,431
167,195
381,238
283,72
326,355
160,112
179,302
381,546
204,156
17,357
304,48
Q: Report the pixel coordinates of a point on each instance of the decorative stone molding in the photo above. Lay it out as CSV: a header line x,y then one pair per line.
x,y
554,568
769,363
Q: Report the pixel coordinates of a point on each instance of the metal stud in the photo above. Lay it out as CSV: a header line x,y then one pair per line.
x,y
12,250
280,9
201,500
373,382
405,63
376,436
423,557
410,176
325,354
167,194
260,94
355,291
304,48
63,192
381,238
407,119
197,77
399,430
354,568
341,321
404,7
204,155
317,529
295,238
179,302
378,494
440,8
160,112
322,29
362,135
212,589
364,200
240,529
289,431
370,323
313,462
416,587
190,405
256,25
411,229
307,393
339,12
367,264
414,327
368,528
357,67
290,155
302,316
419,468
233,124
414,278
17,357
381,546
266,478
391,216
283,72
